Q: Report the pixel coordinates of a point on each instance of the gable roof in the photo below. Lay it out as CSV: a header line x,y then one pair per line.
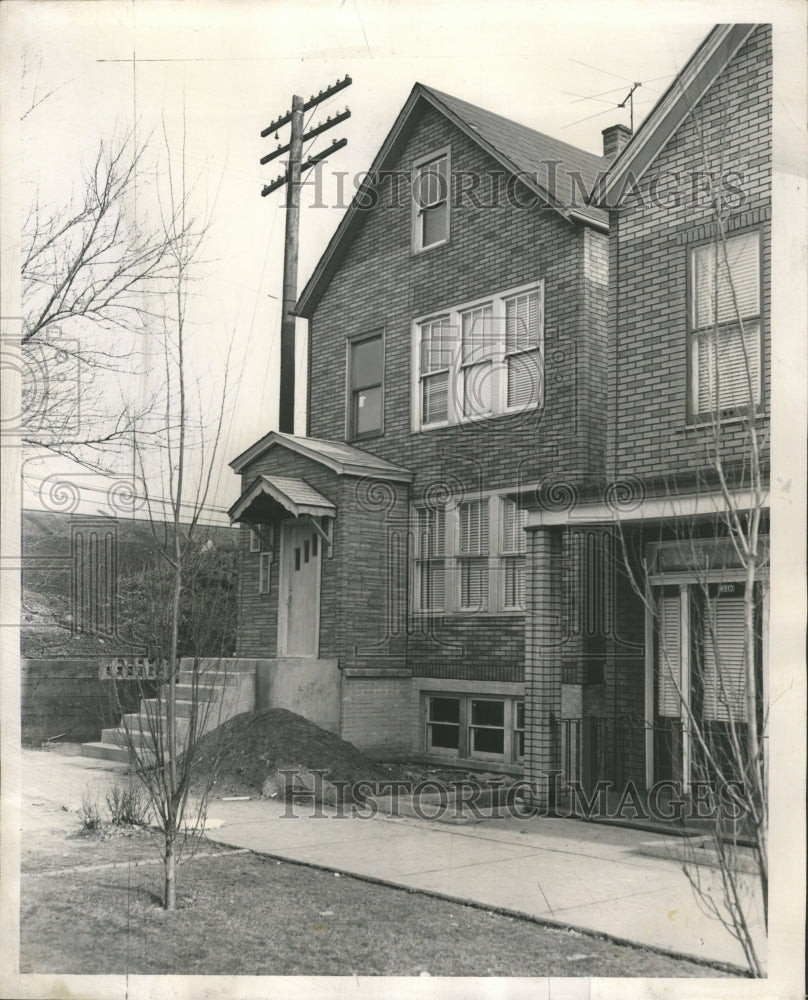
x,y
686,90
522,151
294,495
343,459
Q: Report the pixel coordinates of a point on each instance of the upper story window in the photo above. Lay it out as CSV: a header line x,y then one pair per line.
x,y
725,331
366,386
484,359
430,200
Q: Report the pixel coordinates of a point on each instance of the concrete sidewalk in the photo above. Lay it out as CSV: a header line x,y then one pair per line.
x,y
584,875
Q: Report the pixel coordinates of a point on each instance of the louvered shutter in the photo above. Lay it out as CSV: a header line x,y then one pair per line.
x,y
724,670
513,523
669,657
712,284
726,380
473,527
522,342
474,584
522,322
524,379
727,362
477,350
514,581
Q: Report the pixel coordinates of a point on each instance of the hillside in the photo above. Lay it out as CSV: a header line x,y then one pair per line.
x,y
57,586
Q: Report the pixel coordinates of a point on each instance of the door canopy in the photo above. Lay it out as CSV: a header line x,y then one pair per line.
x,y
266,494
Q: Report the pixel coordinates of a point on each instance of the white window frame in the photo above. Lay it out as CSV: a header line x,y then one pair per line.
x,y
752,326
454,558
510,751
453,361
351,343
418,166
255,540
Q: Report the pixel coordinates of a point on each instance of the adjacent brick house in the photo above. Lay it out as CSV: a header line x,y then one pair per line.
x,y
688,383
491,352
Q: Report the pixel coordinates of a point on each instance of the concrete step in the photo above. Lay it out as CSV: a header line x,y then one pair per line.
x,y
186,692
152,723
149,707
136,737
110,751
208,679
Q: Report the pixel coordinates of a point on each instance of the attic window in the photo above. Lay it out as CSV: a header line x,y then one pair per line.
x,y
430,200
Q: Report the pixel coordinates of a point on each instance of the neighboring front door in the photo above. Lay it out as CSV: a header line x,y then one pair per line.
x,y
700,678
299,610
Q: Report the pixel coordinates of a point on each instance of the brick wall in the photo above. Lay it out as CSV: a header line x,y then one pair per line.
x,y
363,582
378,715
648,430
381,283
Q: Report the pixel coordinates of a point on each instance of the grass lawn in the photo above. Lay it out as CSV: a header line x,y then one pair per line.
x,y
241,914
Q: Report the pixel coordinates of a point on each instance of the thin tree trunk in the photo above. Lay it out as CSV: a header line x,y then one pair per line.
x,y
170,873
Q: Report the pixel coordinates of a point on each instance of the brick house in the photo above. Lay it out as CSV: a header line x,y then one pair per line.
x,y
457,348
614,671
490,351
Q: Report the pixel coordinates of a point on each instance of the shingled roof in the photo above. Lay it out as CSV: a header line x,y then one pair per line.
x,y
522,151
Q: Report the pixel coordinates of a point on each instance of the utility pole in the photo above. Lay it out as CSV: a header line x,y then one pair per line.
x,y
292,179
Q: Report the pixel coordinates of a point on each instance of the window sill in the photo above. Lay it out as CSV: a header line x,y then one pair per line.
x,y
364,437
474,421
509,613
698,423
470,763
417,251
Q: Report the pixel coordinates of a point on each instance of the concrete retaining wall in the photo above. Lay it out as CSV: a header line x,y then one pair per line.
x,y
310,688
70,698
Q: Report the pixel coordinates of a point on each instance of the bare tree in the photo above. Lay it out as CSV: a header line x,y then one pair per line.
x,y
189,595
94,275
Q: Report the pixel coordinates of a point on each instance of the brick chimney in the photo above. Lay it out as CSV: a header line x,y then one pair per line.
x,y
615,138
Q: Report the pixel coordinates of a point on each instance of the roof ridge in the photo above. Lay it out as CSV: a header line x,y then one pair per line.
x,y
511,121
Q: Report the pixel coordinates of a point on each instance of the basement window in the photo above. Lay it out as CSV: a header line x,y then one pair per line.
x,y
475,727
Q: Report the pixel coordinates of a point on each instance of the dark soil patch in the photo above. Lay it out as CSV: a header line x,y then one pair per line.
x,y
249,748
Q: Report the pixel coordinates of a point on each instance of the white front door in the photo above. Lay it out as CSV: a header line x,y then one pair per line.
x,y
299,597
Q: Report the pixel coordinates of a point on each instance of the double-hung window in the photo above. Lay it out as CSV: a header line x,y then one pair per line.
x,y
469,557
431,562
512,555
366,386
473,554
477,349
479,360
430,201
725,334
436,361
522,349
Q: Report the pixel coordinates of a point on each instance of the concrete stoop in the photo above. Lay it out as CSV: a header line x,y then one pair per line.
x,y
216,692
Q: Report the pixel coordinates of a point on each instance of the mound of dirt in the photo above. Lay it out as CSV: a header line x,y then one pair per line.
x,y
246,752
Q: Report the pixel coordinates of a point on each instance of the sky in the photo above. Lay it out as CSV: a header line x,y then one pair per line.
x,y
216,73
